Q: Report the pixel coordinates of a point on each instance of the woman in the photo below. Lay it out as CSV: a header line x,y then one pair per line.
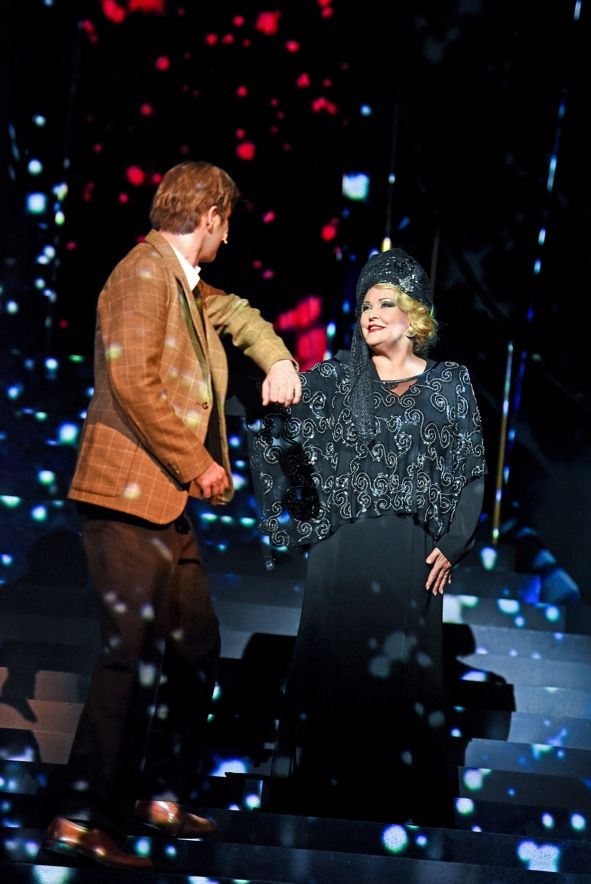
x,y
379,472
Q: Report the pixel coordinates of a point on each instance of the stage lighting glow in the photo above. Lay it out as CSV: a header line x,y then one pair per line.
x,y
488,557
230,765
39,120
474,675
12,308
199,879
59,218
508,606
143,847
551,172
539,858
14,391
552,613
35,167
356,186
578,822
46,477
548,821
67,434
474,779
10,502
395,839
365,110
36,203
465,806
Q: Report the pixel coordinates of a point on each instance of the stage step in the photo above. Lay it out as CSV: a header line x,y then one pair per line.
x,y
528,757
302,849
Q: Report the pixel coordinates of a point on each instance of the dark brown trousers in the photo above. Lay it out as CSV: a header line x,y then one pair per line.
x,y
142,730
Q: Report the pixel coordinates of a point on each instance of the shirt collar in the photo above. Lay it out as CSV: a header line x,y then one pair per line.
x,y
192,273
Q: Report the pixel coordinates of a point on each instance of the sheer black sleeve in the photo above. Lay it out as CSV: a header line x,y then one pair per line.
x,y
460,538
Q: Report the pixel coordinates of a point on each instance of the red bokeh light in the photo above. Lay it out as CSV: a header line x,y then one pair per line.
x,y
113,11
158,7
268,22
246,150
135,176
320,104
329,231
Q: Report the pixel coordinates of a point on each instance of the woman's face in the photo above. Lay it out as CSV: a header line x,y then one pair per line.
x,y
383,325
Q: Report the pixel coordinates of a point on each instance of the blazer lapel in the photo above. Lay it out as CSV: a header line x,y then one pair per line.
x,y
186,296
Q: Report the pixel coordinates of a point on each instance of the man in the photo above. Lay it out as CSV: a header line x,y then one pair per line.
x,y
154,436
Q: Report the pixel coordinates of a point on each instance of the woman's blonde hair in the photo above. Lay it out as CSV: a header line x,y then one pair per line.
x,y
421,316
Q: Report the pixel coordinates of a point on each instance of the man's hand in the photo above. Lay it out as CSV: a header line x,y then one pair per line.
x,y
440,572
213,482
282,384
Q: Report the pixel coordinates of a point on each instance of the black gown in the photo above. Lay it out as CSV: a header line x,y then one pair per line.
x,y
363,731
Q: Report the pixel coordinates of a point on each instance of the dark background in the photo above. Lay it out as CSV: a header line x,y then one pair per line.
x,y
470,119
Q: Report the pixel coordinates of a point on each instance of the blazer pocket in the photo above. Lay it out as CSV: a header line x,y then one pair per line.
x,y
105,462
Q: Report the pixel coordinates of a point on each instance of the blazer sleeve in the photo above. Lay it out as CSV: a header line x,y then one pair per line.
x,y
234,316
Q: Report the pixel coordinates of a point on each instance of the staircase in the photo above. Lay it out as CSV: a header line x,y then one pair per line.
x,y
519,670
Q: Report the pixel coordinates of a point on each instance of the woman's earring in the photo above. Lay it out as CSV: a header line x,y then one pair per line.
x,y
410,333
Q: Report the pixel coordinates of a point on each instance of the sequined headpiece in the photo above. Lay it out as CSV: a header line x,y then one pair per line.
x,y
396,268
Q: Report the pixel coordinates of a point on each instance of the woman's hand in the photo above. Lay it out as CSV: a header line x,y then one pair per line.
x,y
440,572
282,384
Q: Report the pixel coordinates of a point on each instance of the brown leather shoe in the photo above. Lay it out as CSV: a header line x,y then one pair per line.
x,y
170,819
64,836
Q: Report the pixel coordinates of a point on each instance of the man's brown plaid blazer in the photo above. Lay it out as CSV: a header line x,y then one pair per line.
x,y
156,419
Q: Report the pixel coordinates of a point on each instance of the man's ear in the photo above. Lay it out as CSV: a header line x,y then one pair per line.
x,y
208,218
